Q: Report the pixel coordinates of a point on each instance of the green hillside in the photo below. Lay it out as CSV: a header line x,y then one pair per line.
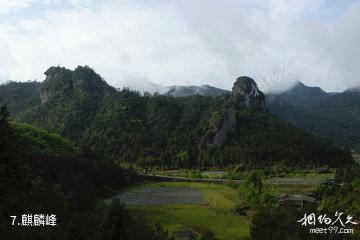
x,y
37,141
162,130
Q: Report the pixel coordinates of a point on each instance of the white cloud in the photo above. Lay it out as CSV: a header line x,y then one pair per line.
x,y
187,42
9,5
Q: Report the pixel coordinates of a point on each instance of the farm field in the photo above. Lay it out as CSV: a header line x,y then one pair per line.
x,y
163,196
185,219
203,207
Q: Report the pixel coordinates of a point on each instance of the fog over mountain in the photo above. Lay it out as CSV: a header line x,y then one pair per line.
x,y
142,44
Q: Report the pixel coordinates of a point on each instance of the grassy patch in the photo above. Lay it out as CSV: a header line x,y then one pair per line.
x,y
216,216
214,174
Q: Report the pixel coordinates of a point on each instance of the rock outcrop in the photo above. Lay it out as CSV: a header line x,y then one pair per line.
x,y
245,93
82,82
58,80
227,126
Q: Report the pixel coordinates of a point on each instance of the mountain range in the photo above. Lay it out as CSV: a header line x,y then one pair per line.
x,y
330,115
208,127
333,115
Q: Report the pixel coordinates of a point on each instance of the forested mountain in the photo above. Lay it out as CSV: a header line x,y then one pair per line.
x,y
163,130
353,89
302,96
331,115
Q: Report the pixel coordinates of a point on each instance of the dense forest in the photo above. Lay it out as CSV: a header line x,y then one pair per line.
x,y
43,173
167,131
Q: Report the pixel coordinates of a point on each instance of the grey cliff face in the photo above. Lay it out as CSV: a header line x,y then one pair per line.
x,y
227,126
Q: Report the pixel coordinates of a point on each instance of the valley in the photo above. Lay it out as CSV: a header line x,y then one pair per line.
x,y
197,166
179,120
216,216
165,199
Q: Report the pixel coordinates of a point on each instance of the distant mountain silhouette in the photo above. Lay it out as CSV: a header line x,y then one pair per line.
x,y
332,115
203,90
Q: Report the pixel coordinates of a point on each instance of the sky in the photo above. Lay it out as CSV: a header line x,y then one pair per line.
x,y
145,44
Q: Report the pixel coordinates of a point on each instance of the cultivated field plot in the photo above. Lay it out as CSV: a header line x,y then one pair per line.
x,y
163,196
215,216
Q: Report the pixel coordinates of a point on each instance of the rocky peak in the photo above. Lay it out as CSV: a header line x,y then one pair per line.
x,y
58,80
87,81
81,82
245,91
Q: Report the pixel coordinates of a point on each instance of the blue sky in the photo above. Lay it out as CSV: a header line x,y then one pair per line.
x,y
149,44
